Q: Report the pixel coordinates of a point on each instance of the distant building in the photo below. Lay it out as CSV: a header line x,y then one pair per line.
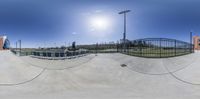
x,y
4,43
122,41
196,41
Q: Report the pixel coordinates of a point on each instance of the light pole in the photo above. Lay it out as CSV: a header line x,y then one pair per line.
x,y
124,34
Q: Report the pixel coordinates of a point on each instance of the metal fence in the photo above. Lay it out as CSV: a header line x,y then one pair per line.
x,y
48,52
147,47
156,47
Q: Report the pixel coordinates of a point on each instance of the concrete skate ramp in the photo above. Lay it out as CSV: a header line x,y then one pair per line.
x,y
183,68
13,71
57,64
155,66
191,73
104,78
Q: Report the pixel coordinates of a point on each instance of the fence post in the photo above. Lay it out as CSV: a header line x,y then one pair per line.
x,y
128,45
175,47
140,45
117,47
191,42
160,47
96,48
20,47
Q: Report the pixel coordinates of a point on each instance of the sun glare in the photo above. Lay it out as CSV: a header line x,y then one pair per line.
x,y
99,23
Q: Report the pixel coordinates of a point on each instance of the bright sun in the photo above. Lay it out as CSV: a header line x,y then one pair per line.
x,y
99,23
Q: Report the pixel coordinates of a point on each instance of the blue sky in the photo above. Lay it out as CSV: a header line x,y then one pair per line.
x,y
53,22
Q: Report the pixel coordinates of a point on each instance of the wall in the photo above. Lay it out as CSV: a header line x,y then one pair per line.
x,y
196,41
1,43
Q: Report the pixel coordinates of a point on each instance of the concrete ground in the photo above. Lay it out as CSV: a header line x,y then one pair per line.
x,y
100,77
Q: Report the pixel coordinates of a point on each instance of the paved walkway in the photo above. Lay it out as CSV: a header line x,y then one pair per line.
x,y
100,77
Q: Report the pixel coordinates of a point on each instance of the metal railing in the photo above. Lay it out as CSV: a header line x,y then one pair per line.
x,y
157,47
147,47
48,53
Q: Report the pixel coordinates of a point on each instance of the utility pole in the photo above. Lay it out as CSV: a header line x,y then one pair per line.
x,y
124,34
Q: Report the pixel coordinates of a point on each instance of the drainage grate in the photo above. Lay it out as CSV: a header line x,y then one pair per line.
x,y
123,65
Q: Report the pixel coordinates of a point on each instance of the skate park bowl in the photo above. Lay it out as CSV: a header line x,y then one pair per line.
x,y
101,76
